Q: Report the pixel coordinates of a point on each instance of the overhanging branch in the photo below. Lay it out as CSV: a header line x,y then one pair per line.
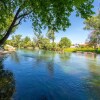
x,y
23,15
18,22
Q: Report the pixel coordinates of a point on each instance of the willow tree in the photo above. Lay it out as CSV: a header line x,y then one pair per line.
x,y
42,13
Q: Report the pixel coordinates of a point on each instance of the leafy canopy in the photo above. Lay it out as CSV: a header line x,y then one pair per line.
x,y
45,13
5,25
93,24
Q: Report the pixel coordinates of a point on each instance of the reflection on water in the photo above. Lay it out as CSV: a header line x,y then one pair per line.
x,y
93,81
7,84
64,56
15,57
46,75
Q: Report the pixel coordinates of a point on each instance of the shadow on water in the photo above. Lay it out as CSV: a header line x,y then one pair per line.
x,y
7,83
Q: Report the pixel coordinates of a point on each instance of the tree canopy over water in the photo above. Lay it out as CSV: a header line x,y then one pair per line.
x,y
42,13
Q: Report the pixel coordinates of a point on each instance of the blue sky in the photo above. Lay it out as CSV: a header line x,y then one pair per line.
x,y
75,32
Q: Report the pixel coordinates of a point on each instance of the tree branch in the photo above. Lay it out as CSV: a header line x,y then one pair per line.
x,y
10,28
23,15
18,22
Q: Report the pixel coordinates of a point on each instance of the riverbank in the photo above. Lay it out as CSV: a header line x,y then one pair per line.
x,y
6,50
82,50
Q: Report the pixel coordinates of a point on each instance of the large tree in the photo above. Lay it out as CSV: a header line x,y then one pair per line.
x,y
93,24
42,13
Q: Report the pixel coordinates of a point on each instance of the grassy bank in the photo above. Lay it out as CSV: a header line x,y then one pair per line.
x,y
82,50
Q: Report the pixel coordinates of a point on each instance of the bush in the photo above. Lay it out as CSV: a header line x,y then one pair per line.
x,y
64,43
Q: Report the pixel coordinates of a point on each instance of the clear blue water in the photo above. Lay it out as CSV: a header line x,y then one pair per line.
x,y
46,75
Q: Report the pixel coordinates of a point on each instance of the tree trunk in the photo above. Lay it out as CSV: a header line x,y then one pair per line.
x,y
53,36
10,28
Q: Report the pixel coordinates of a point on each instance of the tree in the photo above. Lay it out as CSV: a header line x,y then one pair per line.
x,y
93,39
26,42
9,42
4,26
51,35
64,42
15,41
43,13
38,39
18,40
93,24
45,43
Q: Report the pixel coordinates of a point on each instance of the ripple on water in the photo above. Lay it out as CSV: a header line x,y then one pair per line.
x,y
44,75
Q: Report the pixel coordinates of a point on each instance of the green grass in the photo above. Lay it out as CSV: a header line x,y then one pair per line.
x,y
82,50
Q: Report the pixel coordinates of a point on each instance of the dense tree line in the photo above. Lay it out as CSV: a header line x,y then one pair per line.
x,y
38,41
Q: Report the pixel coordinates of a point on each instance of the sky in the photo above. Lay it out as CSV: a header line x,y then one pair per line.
x,y
75,32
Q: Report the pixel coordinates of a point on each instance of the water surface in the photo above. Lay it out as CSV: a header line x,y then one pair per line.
x,y
46,75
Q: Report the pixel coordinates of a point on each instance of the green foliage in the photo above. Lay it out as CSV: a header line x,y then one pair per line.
x,y
45,44
93,23
38,39
26,42
64,42
88,49
9,42
18,42
15,41
4,25
70,49
51,14
93,39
